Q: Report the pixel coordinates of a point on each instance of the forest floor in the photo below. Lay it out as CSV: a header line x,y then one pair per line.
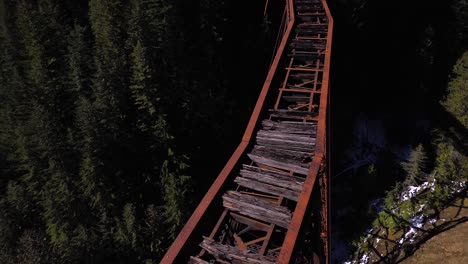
x,y
448,247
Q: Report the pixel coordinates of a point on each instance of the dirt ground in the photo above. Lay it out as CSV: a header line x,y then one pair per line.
x,y
449,247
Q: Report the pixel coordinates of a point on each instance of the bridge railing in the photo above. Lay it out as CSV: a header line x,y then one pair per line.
x,y
289,243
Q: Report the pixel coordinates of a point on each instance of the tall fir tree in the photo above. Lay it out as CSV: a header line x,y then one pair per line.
x,y
415,166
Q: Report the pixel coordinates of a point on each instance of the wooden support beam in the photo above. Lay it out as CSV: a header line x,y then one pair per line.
x,y
255,241
240,244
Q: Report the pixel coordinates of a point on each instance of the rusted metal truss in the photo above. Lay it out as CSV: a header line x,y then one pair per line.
x,y
255,210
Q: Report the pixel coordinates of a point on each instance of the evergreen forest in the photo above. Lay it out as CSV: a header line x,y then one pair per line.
x,y
117,115
110,113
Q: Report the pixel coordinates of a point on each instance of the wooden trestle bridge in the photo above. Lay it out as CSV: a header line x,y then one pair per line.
x,y
270,202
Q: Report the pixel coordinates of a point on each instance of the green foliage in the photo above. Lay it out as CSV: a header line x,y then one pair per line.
x,y
415,166
175,191
451,165
126,233
98,103
457,91
393,197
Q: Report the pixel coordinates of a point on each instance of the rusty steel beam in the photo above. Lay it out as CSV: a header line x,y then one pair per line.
x,y
201,209
320,151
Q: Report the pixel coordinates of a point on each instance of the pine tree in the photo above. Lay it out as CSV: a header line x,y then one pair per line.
x,y
175,192
415,166
126,233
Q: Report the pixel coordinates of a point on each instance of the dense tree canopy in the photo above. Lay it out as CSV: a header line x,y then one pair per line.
x,y
104,105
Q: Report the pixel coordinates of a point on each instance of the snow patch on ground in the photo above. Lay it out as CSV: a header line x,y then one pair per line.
x,y
412,191
365,258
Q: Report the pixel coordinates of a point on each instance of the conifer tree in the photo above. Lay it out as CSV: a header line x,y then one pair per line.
x,y
175,192
415,166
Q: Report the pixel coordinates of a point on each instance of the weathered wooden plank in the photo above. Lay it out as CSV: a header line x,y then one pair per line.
x,y
294,157
230,254
286,144
267,188
286,141
295,161
290,127
282,180
257,208
285,135
279,164
196,260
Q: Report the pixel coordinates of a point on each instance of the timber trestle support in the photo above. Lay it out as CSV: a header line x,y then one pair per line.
x,y
270,202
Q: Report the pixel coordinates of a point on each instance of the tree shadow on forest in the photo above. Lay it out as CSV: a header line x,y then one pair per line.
x,y
452,128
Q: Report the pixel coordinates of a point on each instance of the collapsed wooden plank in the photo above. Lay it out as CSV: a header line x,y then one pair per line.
x,y
230,254
282,180
257,208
